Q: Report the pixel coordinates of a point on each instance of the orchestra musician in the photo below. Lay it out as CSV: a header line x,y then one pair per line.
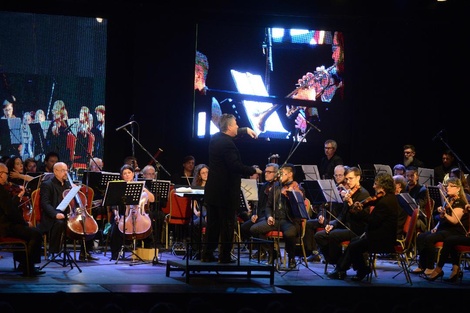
x,y
258,214
13,224
323,217
451,223
380,213
279,215
345,226
52,219
122,211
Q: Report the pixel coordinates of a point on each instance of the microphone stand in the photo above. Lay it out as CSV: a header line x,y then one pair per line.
x,y
455,154
158,165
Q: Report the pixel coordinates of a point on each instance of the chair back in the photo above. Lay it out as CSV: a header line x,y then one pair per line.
x,y
180,209
411,231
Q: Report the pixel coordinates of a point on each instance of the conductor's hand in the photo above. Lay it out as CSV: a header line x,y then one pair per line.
x,y
251,133
270,221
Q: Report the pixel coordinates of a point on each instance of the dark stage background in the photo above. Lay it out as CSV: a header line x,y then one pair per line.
x,y
406,80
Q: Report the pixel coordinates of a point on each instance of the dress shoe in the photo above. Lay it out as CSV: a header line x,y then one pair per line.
x,y
33,273
341,275
314,258
433,278
361,275
208,258
454,278
87,257
292,263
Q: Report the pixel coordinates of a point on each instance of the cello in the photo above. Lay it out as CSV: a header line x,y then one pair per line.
x,y
80,223
136,223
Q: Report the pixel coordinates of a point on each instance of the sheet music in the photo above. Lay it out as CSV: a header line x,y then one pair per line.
x,y
409,199
330,192
15,134
311,172
426,176
70,195
250,189
380,168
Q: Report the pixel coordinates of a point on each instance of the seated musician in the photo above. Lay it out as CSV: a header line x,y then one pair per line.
x,y
53,221
346,226
122,211
325,213
279,214
13,224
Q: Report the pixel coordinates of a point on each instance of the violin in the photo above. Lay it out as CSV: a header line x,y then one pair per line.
x,y
25,202
367,201
292,186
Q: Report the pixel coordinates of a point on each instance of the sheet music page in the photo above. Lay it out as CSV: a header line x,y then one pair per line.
x,y
250,188
426,176
330,192
311,172
65,202
379,168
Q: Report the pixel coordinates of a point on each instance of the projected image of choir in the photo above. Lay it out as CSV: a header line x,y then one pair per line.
x,y
31,135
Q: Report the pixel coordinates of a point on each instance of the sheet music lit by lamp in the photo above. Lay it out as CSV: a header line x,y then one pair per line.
x,y
311,172
250,189
252,84
381,168
426,176
330,192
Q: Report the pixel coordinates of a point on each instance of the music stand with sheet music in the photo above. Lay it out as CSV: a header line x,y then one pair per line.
x,y
161,191
426,176
98,181
409,202
38,138
435,194
381,168
311,172
67,258
124,193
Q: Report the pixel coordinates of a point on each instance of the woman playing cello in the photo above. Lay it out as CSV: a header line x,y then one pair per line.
x,y
129,218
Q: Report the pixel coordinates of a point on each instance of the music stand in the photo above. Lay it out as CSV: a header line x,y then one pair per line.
x,y
63,205
426,176
311,172
98,181
124,193
435,194
409,204
38,138
161,191
313,191
381,168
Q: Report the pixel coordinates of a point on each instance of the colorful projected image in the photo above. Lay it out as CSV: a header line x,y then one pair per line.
x,y
276,81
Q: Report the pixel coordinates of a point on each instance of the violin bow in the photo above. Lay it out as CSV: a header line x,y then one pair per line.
x,y
452,209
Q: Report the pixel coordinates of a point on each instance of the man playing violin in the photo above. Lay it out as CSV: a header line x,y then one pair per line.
x,y
380,213
52,219
345,226
279,215
13,224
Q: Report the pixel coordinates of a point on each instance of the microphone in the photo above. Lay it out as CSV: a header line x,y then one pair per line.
x,y
68,127
127,124
438,135
318,129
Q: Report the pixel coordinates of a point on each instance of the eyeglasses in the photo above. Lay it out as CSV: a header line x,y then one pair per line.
x,y
328,148
270,172
453,186
408,152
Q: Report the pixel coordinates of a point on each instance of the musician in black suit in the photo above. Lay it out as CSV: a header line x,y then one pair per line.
x,y
222,190
52,219
381,216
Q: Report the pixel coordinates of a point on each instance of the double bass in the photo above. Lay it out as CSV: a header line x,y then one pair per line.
x,y
80,223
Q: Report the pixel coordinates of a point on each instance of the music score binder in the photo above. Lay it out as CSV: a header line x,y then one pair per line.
x,y
250,188
296,200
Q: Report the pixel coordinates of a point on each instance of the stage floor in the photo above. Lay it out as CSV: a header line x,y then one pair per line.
x,y
103,279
